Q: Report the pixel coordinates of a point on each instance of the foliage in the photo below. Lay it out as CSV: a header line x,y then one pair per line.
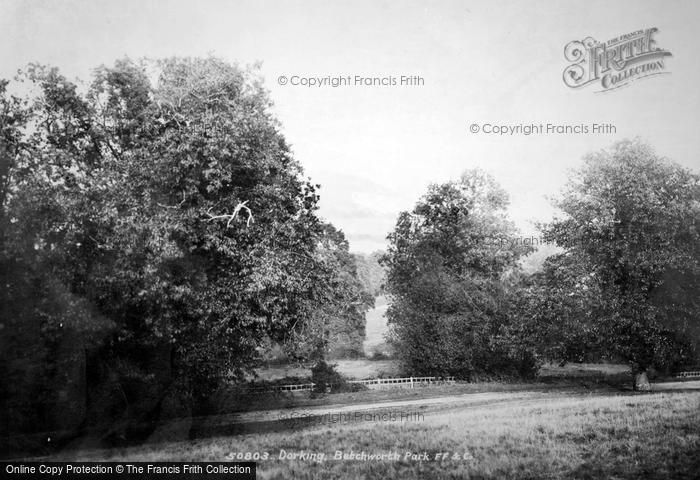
x,y
335,326
446,263
559,306
324,375
160,219
327,379
371,273
628,282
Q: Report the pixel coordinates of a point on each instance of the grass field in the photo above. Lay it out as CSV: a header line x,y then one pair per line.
x,y
363,368
551,435
353,369
552,377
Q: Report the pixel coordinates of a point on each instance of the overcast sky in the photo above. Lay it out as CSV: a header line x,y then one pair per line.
x,y
375,149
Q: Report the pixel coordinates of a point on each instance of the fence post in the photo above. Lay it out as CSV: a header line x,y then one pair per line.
x,y
411,382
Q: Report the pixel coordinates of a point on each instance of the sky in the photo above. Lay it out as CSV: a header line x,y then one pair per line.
x,y
375,148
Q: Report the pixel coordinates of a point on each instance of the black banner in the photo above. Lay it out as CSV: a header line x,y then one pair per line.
x,y
128,470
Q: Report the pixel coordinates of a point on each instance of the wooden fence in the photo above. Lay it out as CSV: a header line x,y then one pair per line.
x,y
281,388
377,382
409,382
404,380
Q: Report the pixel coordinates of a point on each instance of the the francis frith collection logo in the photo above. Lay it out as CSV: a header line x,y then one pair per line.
x,y
615,63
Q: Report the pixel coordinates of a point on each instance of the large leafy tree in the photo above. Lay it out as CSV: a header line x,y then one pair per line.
x,y
631,231
446,265
160,222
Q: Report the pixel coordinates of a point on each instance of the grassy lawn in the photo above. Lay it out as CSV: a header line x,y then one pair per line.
x,y
362,368
552,377
559,435
227,402
353,369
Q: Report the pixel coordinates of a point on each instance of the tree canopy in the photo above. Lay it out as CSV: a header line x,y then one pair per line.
x,y
631,233
445,264
156,220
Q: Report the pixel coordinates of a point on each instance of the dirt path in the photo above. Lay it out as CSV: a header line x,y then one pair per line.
x,y
300,412
461,400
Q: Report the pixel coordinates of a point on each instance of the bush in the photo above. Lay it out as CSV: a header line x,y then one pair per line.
x,y
327,379
324,374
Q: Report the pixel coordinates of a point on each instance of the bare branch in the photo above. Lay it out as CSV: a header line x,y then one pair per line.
x,y
231,216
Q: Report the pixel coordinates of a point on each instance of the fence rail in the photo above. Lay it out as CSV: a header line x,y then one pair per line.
x,y
688,374
281,388
412,381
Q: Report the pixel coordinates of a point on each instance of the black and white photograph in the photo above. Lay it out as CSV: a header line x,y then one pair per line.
x,y
335,239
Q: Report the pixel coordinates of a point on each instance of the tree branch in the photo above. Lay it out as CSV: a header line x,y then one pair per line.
x,y
232,216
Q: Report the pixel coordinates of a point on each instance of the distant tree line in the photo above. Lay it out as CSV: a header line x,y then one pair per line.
x,y
371,272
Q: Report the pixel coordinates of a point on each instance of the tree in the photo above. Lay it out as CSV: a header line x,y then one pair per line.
x,y
336,324
163,212
633,219
36,308
558,306
446,263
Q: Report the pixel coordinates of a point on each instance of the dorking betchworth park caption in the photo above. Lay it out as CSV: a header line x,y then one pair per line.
x,y
306,239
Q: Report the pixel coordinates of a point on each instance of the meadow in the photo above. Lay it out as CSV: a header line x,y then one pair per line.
x,y
361,368
515,435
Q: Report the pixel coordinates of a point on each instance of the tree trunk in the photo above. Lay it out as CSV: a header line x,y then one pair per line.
x,y
641,381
